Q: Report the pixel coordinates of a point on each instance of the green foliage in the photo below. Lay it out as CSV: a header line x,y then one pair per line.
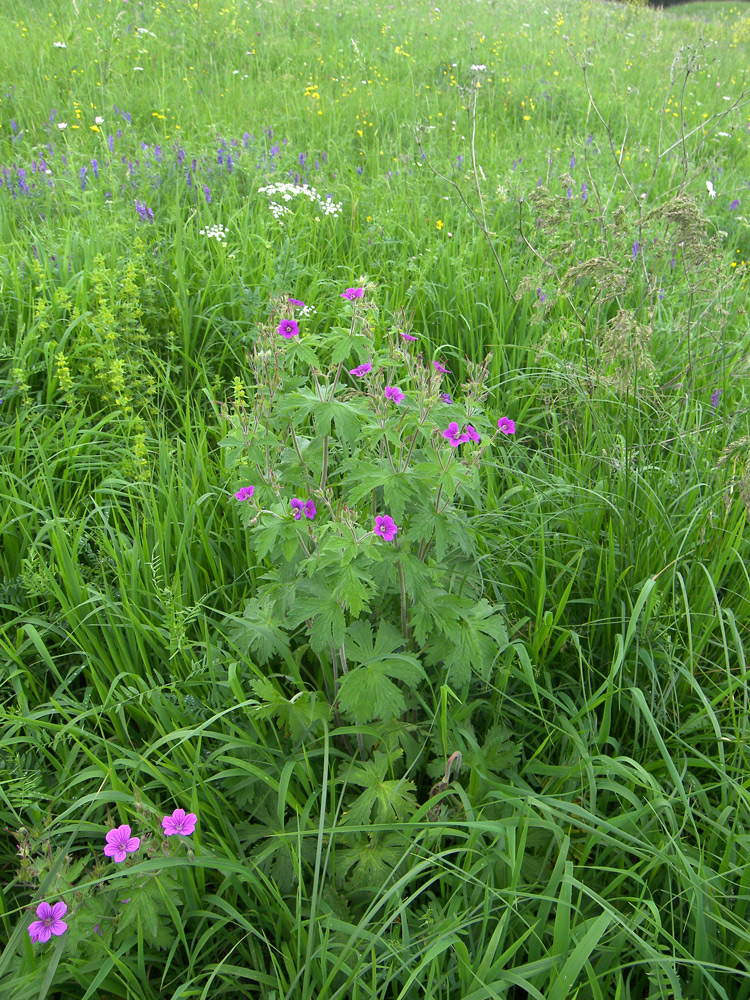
x,y
505,753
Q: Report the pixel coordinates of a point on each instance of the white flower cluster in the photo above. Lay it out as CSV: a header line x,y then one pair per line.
x,y
216,232
288,192
278,210
305,311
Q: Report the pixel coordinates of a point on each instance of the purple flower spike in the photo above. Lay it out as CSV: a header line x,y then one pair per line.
x,y
50,922
393,393
385,527
445,397
506,425
352,293
453,434
288,328
120,843
735,204
300,507
472,434
144,211
245,493
439,368
715,398
361,370
179,822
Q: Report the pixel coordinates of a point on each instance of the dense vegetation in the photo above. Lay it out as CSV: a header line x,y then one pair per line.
x,y
375,567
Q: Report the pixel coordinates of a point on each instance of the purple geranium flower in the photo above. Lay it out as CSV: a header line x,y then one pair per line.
x,y
472,433
407,336
50,922
353,293
288,328
179,822
300,507
297,303
445,397
453,434
120,843
439,368
361,370
506,425
393,393
245,493
385,527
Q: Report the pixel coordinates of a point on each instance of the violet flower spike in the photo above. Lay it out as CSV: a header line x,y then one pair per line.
x,y
50,922
120,843
386,527
179,822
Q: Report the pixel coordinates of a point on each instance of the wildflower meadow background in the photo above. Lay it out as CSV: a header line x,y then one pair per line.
x,y
375,500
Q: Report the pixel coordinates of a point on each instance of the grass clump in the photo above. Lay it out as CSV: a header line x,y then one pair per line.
x,y
374,435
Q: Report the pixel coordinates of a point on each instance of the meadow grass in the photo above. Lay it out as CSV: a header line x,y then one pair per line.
x,y
563,190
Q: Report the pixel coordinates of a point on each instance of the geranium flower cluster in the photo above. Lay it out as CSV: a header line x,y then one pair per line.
x,y
119,842
456,435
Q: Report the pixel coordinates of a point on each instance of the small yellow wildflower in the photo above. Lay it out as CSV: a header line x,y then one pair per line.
x,y
439,223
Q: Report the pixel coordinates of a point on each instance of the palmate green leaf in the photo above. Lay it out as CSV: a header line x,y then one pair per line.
x,y
347,419
346,344
352,589
281,532
435,611
258,630
448,528
367,477
398,488
471,643
382,800
295,715
147,909
369,691
370,861
321,607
